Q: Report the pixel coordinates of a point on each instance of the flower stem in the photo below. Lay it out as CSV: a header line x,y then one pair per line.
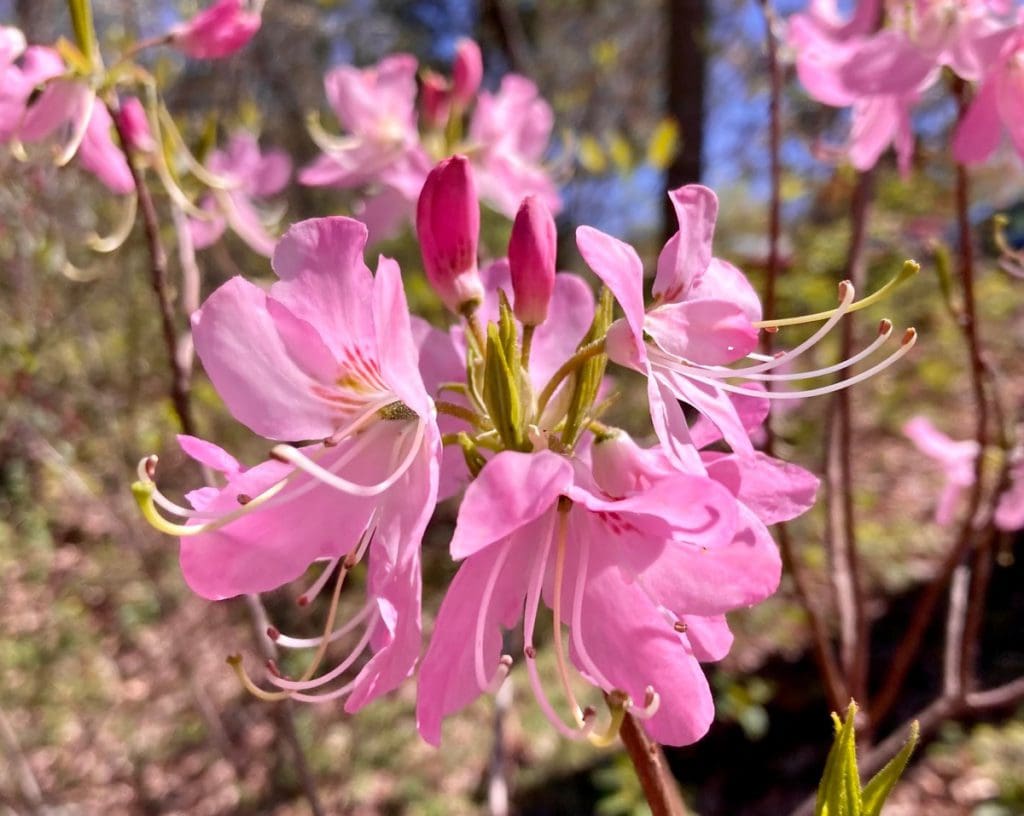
x,y
567,368
651,767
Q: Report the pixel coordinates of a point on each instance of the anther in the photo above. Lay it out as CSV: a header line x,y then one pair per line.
x,y
273,668
680,627
273,633
652,701
909,336
243,498
530,652
885,327
150,465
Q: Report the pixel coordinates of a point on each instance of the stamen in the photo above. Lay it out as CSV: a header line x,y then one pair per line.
x,y
295,457
81,125
504,667
288,642
652,702
310,594
577,619
359,422
618,703
122,229
556,609
529,623
485,602
907,271
908,341
337,671
235,662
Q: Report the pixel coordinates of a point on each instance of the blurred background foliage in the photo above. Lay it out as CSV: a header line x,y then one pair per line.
x,y
114,696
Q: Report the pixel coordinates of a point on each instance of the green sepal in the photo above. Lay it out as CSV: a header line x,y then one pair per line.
x,y
501,391
471,453
878,789
589,375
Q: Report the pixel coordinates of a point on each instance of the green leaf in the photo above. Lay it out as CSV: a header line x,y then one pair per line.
x,y
881,784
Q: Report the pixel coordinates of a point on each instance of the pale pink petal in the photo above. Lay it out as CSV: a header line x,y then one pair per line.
x,y
101,157
752,412
620,269
325,281
206,232
709,638
686,256
723,281
775,490
977,134
1010,102
556,339
447,677
713,403
206,453
708,332
245,220
511,491
875,124
1009,514
887,63
255,373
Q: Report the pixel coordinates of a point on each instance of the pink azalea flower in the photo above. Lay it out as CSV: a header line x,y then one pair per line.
x,y
531,259
1010,509
218,31
248,174
508,135
22,69
999,100
135,124
883,73
70,108
327,354
703,318
377,108
641,580
956,458
467,72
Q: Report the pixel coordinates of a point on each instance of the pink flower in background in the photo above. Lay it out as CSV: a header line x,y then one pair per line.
x,y
326,354
998,105
135,124
249,174
1010,509
508,135
218,31
704,317
70,110
956,458
629,576
883,73
467,72
22,69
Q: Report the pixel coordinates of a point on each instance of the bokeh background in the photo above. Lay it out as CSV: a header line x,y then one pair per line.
x,y
114,695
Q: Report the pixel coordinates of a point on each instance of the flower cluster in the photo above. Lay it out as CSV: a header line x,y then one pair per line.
x,y
565,522
884,58
394,133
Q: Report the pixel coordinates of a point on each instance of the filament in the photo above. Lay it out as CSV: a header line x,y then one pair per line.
x,y
907,271
81,125
310,594
297,458
337,671
556,618
287,642
577,619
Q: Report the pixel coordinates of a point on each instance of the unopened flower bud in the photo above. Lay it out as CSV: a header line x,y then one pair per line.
x,y
135,126
219,31
467,72
531,259
448,228
435,99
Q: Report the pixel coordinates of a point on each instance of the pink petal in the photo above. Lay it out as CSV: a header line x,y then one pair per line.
x,y
447,677
709,332
723,281
709,638
325,281
555,340
713,403
752,412
1009,514
1010,102
775,490
977,134
264,384
620,269
686,256
511,491
101,157
887,63
208,454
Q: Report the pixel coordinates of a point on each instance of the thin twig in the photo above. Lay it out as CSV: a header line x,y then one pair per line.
x,y
841,526
952,681
966,536
656,779
824,654
180,397
497,776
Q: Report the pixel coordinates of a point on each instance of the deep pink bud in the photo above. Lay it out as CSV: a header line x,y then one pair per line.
x,y
219,31
435,99
448,227
531,260
467,72
135,126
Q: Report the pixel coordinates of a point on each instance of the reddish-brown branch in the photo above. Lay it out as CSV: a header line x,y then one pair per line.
x,y
824,654
967,533
181,399
841,527
656,779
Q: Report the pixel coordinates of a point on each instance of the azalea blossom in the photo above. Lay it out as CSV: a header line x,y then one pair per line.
x,y
705,316
383,156
218,31
22,69
882,73
641,581
327,354
248,175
